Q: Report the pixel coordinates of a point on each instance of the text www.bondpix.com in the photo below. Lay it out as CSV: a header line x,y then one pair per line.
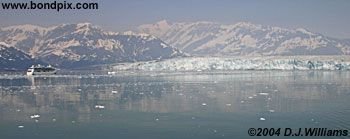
x,y
58,6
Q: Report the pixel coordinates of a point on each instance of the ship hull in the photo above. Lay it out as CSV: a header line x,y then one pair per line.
x,y
41,73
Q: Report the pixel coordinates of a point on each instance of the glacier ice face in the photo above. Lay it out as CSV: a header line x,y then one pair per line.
x,y
241,63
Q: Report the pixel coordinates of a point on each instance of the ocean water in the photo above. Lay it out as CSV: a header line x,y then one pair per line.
x,y
198,105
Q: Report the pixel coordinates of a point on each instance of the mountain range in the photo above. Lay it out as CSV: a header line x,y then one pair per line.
x,y
244,39
11,58
83,44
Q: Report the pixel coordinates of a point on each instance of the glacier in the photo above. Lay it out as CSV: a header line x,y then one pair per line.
x,y
240,63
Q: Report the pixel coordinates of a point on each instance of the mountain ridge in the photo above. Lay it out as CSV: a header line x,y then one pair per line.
x,y
13,59
244,38
83,44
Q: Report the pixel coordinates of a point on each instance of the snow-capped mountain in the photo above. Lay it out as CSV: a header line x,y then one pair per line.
x,y
14,59
158,29
78,45
244,38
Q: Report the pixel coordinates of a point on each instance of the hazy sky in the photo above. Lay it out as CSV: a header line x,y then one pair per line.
x,y
329,17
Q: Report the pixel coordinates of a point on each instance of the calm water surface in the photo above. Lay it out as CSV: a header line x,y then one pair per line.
x,y
171,105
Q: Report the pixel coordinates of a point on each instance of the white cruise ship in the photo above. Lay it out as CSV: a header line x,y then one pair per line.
x,y
41,70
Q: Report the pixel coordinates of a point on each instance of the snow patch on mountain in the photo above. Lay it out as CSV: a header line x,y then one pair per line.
x,y
156,29
26,28
4,44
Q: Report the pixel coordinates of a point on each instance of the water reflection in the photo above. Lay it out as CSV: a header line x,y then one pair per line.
x,y
256,94
255,91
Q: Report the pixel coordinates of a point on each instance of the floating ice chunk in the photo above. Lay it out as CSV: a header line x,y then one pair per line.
x,y
157,119
53,120
73,122
271,111
254,95
228,104
180,94
36,120
204,104
250,97
79,90
111,73
114,92
242,101
35,116
264,94
99,106
262,119
20,126
18,110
